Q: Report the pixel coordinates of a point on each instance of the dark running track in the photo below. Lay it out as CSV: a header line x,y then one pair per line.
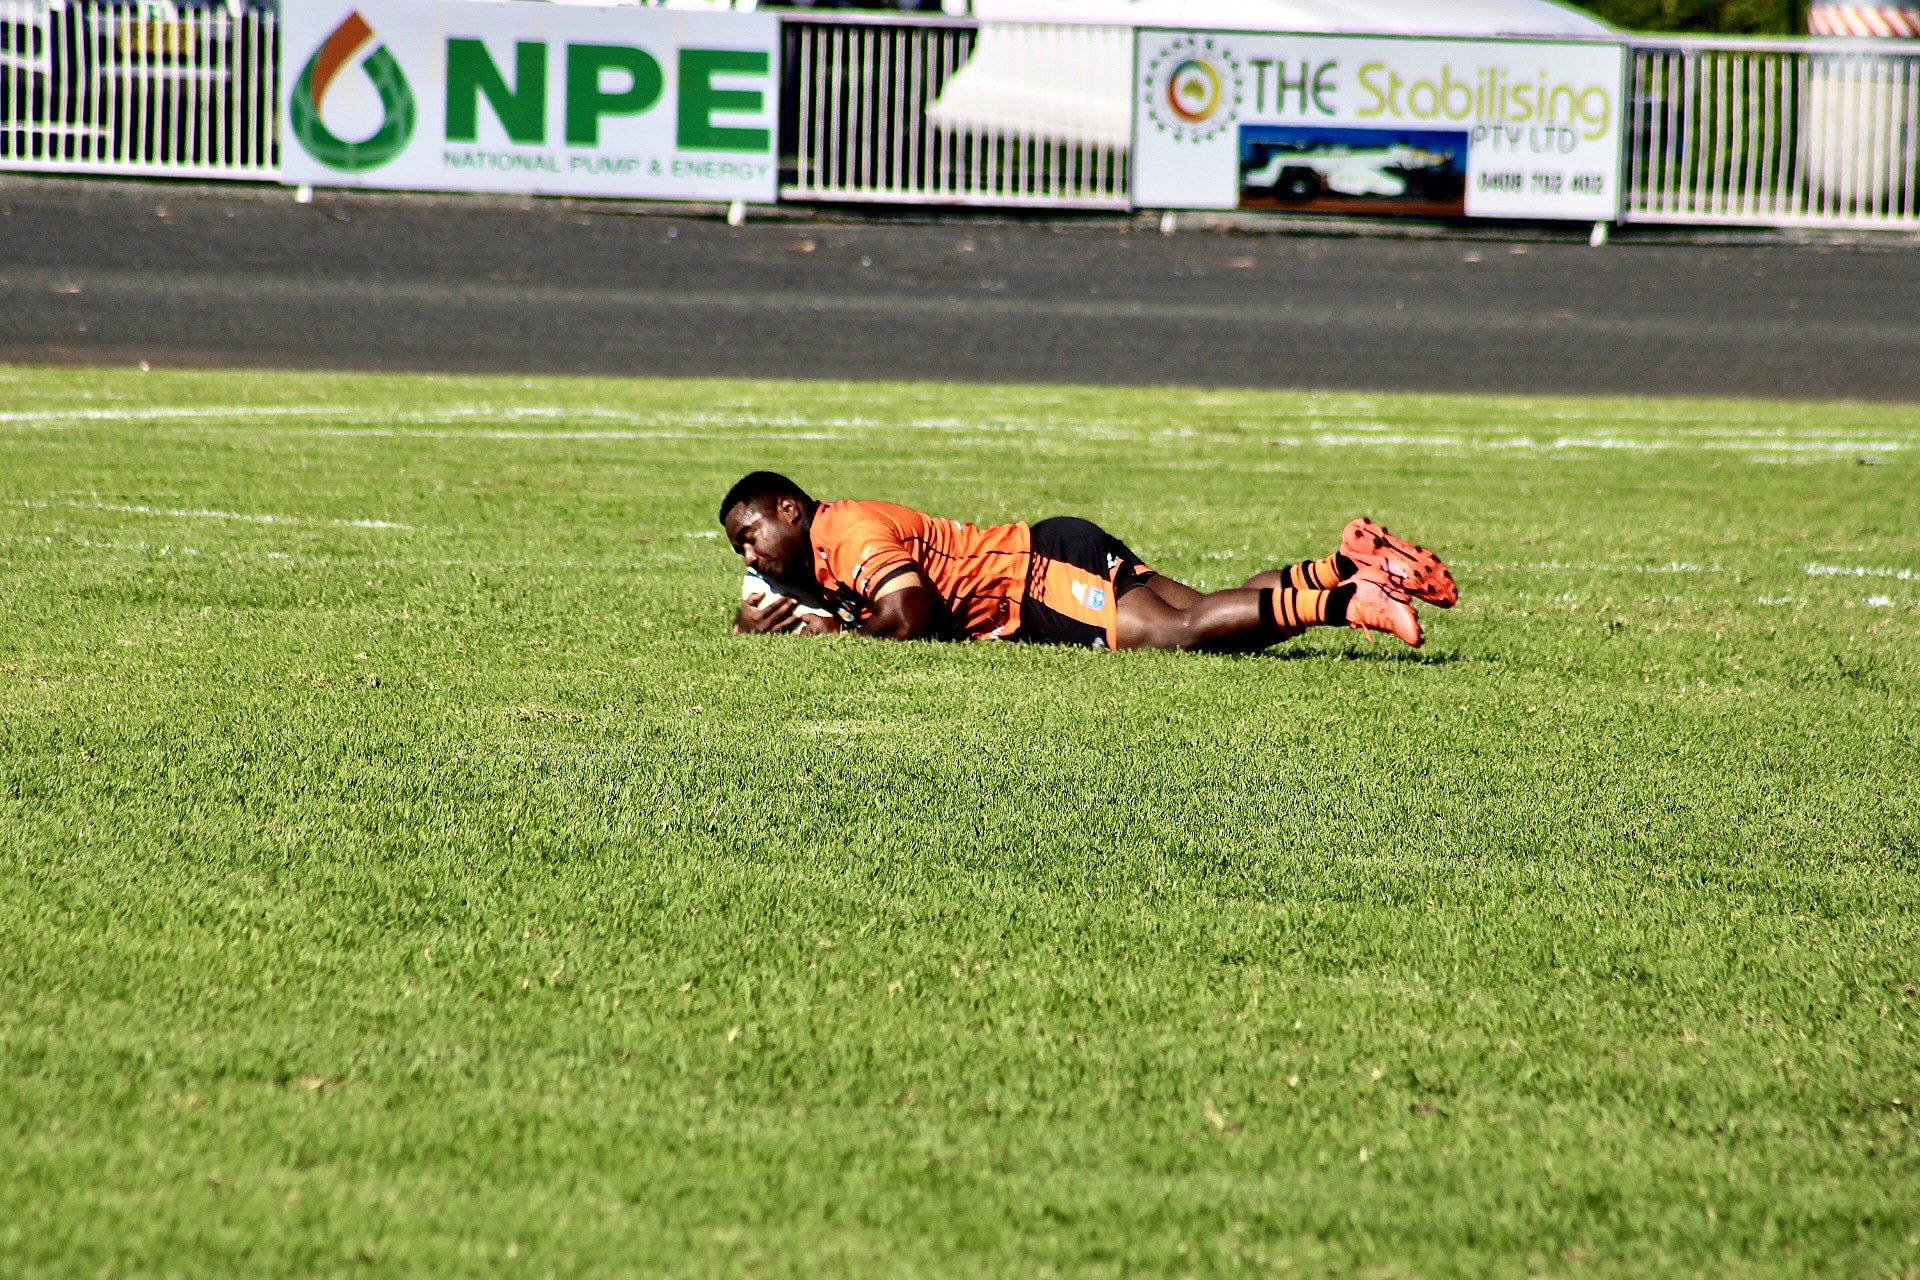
x,y
115,273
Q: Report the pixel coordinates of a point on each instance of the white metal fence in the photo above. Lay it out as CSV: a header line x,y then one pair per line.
x,y
1815,133
927,111
126,89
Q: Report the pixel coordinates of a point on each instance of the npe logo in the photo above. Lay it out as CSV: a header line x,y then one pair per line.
x,y
1193,89
310,93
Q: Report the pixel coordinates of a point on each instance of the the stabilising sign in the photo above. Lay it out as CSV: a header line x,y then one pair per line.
x,y
530,97
1378,125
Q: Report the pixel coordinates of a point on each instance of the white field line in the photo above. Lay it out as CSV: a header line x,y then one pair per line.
x,y
450,413
166,550
205,514
746,423
401,433
1860,571
754,421
160,414
540,563
360,424
1797,433
1655,415
747,415
1603,566
1810,446
1372,438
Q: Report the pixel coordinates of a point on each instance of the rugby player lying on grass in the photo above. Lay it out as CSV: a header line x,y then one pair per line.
x,y
889,571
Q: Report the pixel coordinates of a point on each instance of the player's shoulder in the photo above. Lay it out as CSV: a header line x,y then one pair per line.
x,y
835,519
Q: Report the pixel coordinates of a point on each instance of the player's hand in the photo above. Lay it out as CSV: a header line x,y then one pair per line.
x,y
763,613
814,624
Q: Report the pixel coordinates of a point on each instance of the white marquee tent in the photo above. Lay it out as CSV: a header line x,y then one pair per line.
x,y
1060,80
1399,17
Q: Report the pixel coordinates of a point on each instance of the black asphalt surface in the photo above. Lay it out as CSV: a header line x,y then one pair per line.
x,y
100,272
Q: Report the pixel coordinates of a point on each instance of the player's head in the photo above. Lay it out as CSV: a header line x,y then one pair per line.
x,y
766,517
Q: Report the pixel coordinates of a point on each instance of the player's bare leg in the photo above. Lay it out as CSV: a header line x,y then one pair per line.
x,y
1177,594
1240,618
1214,621
1182,596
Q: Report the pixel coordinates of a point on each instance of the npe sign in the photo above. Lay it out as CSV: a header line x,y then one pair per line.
x,y
530,98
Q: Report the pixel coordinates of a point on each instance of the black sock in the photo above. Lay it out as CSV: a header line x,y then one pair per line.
x,y
1345,567
1269,627
1337,601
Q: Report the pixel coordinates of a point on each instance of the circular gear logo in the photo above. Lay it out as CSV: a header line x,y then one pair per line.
x,y
1193,89
310,92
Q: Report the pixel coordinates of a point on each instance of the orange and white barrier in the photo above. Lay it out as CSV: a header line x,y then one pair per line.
x,y
1899,22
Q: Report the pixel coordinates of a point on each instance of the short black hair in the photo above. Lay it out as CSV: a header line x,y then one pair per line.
x,y
756,485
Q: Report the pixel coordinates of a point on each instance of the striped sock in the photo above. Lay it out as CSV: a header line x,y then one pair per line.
x,y
1320,575
1285,612
1337,601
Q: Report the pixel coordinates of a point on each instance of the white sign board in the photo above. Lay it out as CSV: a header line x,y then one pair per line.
x,y
1378,125
559,99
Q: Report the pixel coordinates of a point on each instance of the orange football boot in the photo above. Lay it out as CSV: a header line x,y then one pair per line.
x,y
1379,604
1412,568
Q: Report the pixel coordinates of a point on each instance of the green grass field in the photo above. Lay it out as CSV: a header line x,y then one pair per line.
x,y
403,871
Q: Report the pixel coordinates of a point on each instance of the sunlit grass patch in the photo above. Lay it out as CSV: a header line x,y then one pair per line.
x,y
403,871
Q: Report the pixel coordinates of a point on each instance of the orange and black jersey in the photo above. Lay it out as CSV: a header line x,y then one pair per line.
x,y
979,575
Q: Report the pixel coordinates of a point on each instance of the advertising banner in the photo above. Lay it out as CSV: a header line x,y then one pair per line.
x,y
1378,125
557,99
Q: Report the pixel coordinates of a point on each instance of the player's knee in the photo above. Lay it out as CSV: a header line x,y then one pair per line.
x,y
1153,631
1175,631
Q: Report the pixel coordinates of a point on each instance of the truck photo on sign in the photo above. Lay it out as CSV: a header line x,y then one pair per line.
x,y
1378,125
543,98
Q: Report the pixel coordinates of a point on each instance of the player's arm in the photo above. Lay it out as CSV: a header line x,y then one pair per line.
x,y
769,611
903,608
764,613
866,552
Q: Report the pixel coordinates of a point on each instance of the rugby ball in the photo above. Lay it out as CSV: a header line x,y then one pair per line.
x,y
807,603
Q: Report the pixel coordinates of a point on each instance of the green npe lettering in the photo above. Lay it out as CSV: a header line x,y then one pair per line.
x,y
699,99
602,80
521,108
588,98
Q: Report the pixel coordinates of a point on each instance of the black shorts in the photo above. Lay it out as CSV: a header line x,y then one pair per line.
x,y
1074,585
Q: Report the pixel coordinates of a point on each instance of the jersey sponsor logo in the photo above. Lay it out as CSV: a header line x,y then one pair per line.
x,y
1088,596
